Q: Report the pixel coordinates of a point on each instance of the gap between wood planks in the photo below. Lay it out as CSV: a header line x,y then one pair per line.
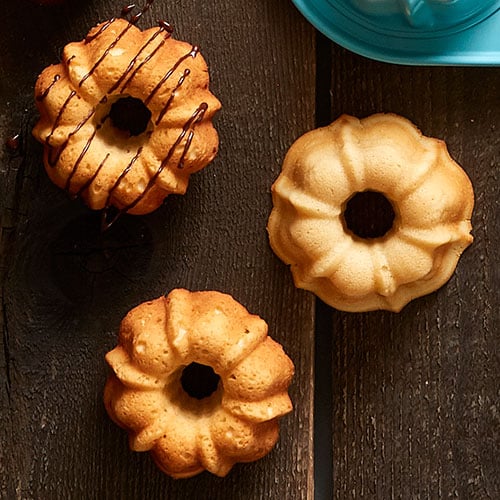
x,y
323,394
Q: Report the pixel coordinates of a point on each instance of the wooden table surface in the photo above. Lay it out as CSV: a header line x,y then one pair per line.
x,y
386,405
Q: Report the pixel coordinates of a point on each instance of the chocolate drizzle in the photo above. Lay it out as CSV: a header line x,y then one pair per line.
x,y
59,116
186,134
13,142
186,73
93,178
127,9
45,93
135,58
137,16
166,26
80,158
195,118
60,149
104,54
145,61
121,176
188,129
192,53
104,27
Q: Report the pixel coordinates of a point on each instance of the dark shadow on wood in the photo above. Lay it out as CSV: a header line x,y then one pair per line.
x,y
323,408
323,403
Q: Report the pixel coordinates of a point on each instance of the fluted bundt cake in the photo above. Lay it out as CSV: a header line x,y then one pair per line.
x,y
369,213
125,118
198,382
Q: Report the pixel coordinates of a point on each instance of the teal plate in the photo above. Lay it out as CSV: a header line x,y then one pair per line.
x,y
416,32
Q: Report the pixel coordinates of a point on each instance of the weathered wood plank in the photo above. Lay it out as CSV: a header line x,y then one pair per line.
x,y
66,286
415,394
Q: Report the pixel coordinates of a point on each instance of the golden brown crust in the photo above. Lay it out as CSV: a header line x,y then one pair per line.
x,y
431,195
143,394
89,157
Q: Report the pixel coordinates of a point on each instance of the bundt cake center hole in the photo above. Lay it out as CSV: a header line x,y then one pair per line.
x,y
369,214
130,115
199,381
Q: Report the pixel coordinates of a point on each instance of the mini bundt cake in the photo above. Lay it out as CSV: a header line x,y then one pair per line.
x,y
197,381
369,213
125,118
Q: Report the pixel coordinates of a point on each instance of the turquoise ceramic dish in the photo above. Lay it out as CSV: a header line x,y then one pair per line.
x,y
419,32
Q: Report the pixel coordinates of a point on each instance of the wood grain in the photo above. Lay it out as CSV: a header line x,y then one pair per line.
x,y
415,394
65,286
413,397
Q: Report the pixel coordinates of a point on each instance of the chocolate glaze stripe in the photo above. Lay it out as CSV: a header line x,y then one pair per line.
x,y
104,27
105,53
13,142
187,129
145,61
128,8
187,144
121,176
60,149
166,27
186,73
192,53
202,110
80,158
106,220
59,116
135,58
52,162
45,93
93,178
83,153
163,27
196,117
125,11
137,16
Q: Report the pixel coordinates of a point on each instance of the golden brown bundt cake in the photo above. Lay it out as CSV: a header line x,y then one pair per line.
x,y
369,213
196,380
125,118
